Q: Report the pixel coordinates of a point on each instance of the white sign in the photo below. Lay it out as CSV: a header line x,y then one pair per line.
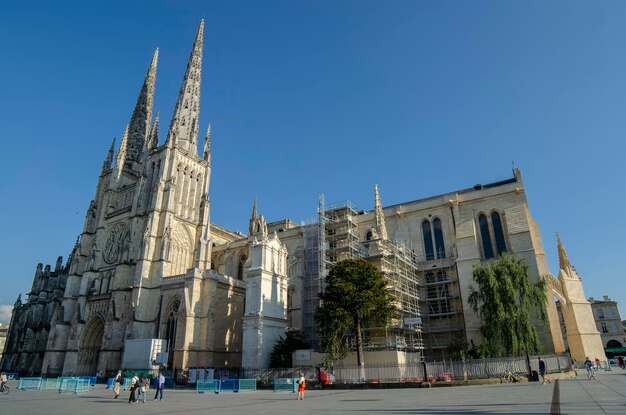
x,y
413,320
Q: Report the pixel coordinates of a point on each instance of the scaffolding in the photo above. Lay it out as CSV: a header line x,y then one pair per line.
x,y
399,266
339,239
441,303
339,232
312,283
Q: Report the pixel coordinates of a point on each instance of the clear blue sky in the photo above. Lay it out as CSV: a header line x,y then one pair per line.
x,y
310,97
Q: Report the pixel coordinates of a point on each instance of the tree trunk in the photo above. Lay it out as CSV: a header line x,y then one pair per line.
x,y
359,349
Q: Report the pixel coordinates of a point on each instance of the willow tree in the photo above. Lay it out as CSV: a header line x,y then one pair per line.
x,y
507,300
355,297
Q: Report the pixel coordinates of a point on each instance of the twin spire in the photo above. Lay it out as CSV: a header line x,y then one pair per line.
x,y
140,137
183,130
139,126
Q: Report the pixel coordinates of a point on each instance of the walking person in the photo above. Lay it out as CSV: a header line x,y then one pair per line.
x,y
542,371
117,384
159,384
134,385
301,386
143,386
620,362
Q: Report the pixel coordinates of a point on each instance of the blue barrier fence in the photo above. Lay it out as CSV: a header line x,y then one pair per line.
x,y
30,384
77,385
217,386
211,385
92,379
50,384
285,384
126,384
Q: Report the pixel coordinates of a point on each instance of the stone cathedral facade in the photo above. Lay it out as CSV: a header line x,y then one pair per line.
x,y
149,264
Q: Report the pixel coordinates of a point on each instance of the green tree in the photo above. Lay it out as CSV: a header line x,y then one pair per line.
x,y
284,348
355,297
506,301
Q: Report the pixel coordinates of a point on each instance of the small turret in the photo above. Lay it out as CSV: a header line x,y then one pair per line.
x,y
153,140
106,165
206,154
258,226
379,216
121,157
564,262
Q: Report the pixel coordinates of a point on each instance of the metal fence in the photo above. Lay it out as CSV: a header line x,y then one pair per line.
x,y
443,371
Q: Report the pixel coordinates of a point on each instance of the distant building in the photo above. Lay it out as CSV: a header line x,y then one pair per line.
x,y
609,324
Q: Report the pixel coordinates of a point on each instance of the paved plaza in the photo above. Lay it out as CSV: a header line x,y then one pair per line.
x,y
607,395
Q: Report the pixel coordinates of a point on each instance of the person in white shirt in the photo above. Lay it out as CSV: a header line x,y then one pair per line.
x,y
160,384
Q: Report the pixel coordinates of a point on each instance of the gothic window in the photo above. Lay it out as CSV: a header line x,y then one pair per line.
x,y
485,236
600,313
368,235
604,328
498,233
428,240
439,244
242,261
170,331
609,312
290,305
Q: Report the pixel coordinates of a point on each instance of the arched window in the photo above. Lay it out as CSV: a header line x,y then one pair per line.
x,y
485,236
428,240
240,265
368,235
498,233
440,247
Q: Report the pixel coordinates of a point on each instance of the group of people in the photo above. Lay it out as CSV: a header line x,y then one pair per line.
x,y
139,386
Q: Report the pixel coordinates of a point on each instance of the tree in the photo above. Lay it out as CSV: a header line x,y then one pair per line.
x,y
506,301
284,348
355,297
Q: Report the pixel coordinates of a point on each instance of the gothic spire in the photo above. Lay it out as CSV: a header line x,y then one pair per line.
x,y
379,216
255,213
564,263
109,159
140,121
206,153
183,132
153,140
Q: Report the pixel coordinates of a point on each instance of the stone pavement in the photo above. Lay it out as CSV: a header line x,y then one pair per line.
x,y
607,395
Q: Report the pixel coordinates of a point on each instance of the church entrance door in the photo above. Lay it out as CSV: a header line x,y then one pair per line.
x,y
89,348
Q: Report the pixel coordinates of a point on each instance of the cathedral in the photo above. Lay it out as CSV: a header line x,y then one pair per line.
x,y
149,264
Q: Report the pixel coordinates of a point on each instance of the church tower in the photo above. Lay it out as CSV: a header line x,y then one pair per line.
x,y
583,337
149,220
